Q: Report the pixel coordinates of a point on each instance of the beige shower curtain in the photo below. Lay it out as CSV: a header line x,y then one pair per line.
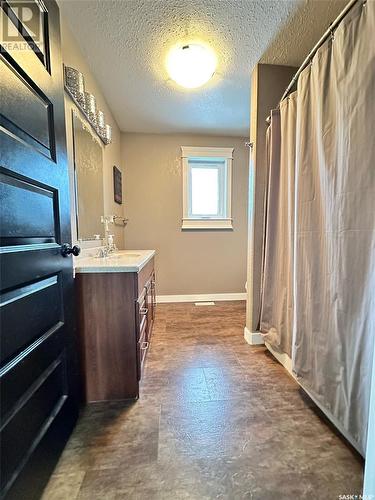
x,y
334,322
277,286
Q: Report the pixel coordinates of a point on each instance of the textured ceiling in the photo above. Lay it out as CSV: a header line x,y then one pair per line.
x,y
301,32
125,43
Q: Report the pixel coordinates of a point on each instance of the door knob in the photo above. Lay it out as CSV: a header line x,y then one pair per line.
x,y
66,250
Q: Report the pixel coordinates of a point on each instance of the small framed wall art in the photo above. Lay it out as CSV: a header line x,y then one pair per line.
x,y
117,185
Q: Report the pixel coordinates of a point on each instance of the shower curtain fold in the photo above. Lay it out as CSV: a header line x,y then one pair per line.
x,y
277,283
334,273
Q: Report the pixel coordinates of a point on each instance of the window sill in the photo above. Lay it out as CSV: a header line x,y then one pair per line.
x,y
203,224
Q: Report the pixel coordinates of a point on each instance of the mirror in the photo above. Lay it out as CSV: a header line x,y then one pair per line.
x,y
88,172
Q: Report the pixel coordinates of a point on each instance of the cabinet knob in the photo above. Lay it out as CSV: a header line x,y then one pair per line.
x,y
143,311
66,250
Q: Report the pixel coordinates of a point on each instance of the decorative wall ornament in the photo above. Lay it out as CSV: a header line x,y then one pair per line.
x,y
117,185
74,83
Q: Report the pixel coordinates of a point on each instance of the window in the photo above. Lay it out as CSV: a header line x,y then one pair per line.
x,y
207,179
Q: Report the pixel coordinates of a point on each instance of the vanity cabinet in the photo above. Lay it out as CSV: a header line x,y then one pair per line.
x,y
116,315
145,313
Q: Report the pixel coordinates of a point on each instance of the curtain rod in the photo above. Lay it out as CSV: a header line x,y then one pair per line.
x,y
326,35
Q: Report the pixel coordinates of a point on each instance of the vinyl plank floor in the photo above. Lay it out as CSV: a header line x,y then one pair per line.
x,y
216,418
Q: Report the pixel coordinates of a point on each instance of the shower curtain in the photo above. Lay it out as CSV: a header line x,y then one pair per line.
x,y
334,323
319,253
277,284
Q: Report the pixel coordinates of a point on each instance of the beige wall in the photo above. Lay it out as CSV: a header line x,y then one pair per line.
x,y
188,262
111,153
268,83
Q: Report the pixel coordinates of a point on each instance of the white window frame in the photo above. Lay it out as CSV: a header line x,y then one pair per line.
x,y
190,221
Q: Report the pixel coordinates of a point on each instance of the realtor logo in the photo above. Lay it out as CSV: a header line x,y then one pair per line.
x,y
22,24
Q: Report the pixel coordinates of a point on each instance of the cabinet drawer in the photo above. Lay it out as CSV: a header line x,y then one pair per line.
x,y
142,347
145,274
142,331
141,315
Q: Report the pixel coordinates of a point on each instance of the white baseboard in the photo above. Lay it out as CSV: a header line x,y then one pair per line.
x,y
282,358
204,297
253,338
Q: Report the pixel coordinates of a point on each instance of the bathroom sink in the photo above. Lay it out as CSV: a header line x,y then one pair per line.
x,y
122,261
124,256
118,255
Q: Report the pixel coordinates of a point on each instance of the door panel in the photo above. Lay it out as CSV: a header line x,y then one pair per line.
x,y
18,88
39,405
21,199
17,380
34,31
38,371
29,302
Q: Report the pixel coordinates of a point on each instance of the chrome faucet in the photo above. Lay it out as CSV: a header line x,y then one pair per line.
x,y
102,253
109,245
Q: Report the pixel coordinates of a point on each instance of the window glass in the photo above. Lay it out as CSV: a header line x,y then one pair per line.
x,y
204,191
207,187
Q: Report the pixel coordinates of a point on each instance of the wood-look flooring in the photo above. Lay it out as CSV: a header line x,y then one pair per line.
x,y
217,419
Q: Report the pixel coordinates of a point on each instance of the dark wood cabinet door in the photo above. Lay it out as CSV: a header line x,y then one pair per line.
x,y
38,371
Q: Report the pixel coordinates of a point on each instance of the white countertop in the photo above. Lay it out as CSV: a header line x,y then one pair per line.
x,y
121,261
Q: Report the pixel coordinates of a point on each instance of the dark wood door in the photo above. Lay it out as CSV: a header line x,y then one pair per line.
x,y
38,374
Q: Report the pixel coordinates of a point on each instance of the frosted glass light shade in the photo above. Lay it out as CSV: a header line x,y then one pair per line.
x,y
191,65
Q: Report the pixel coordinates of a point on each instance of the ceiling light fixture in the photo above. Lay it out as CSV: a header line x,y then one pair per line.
x,y
191,65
